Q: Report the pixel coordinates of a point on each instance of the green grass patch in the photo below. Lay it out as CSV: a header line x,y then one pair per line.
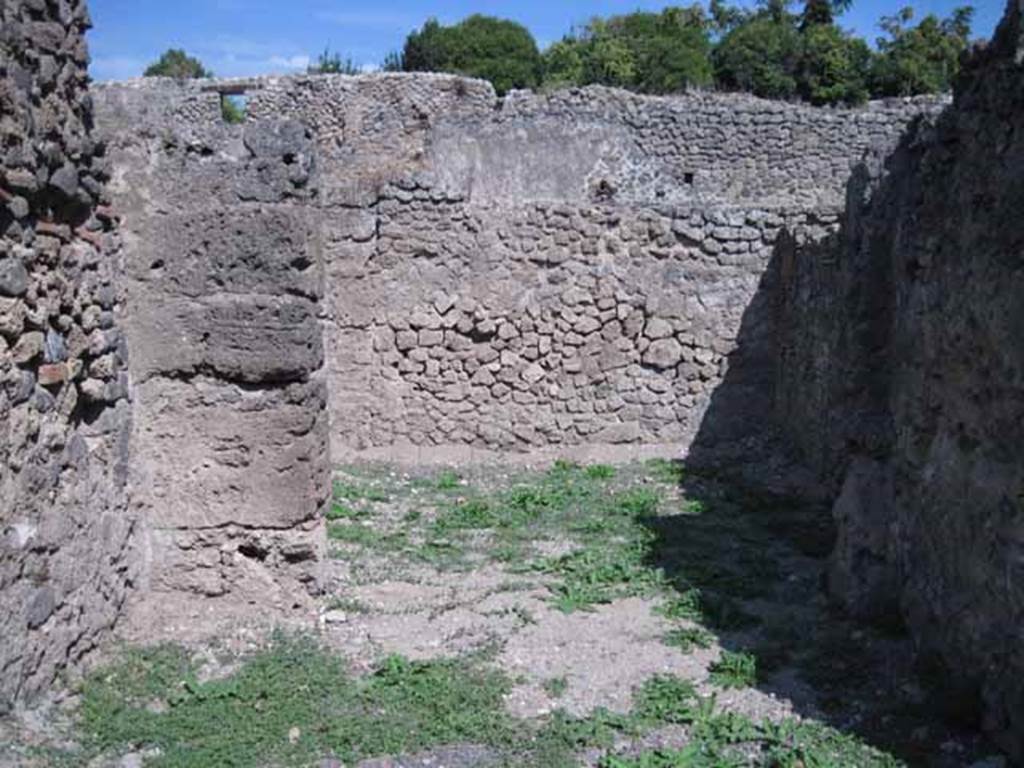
x,y
688,638
599,472
556,687
288,705
349,490
366,536
293,704
448,480
734,670
665,470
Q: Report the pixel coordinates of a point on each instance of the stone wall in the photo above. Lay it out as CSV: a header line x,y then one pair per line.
x,y
230,462
543,270
902,381
66,533
552,270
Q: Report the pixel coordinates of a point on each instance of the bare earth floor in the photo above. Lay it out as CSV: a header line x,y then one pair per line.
x,y
638,615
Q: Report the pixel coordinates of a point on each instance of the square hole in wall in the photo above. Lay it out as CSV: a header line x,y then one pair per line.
x,y
688,178
233,107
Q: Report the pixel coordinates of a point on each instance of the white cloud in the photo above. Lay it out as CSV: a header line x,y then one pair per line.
x,y
300,61
230,56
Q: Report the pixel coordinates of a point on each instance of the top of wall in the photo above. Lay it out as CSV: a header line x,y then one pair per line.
x,y
455,135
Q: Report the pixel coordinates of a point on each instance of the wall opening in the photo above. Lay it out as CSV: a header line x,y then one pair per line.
x,y
233,107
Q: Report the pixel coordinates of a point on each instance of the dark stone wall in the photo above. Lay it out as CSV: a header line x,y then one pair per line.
x,y
65,531
901,380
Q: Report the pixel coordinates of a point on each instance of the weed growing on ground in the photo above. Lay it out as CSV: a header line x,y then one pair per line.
x,y
288,704
555,687
294,704
348,605
688,638
666,470
351,491
734,670
448,480
667,699
599,472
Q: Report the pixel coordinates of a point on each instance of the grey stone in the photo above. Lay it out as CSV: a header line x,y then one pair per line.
x,y
65,180
40,607
664,353
13,277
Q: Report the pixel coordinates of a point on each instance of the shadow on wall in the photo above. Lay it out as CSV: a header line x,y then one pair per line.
x,y
806,378
879,368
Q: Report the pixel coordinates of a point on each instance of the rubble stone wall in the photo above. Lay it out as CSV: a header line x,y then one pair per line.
x,y
559,269
66,533
902,381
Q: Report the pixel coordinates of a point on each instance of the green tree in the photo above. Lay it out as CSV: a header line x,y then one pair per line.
x,y
328,63
724,17
671,49
393,62
760,56
563,63
833,66
822,12
498,50
174,62
651,52
606,58
920,59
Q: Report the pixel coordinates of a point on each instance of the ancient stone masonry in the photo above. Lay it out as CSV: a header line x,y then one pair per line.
x,y
230,456
552,269
902,377
379,263
65,529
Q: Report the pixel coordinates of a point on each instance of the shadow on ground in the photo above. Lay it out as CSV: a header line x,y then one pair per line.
x,y
755,551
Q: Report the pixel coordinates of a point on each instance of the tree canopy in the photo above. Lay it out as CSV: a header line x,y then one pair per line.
x,y
174,62
780,49
648,52
920,59
501,51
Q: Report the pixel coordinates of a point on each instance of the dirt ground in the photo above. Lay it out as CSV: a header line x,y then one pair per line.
x,y
522,567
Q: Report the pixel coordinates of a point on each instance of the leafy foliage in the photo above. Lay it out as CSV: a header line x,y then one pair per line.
x,y
497,50
332,63
920,59
734,670
650,52
833,66
287,704
293,702
759,56
174,62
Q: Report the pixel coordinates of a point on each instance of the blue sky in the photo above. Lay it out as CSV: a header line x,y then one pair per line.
x,y
249,37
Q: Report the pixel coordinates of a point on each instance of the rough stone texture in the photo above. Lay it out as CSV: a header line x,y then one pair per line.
x,y
230,462
563,269
902,381
426,265
66,555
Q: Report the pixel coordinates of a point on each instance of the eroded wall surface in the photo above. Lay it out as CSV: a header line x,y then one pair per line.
x,y
554,270
66,533
902,380
230,459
